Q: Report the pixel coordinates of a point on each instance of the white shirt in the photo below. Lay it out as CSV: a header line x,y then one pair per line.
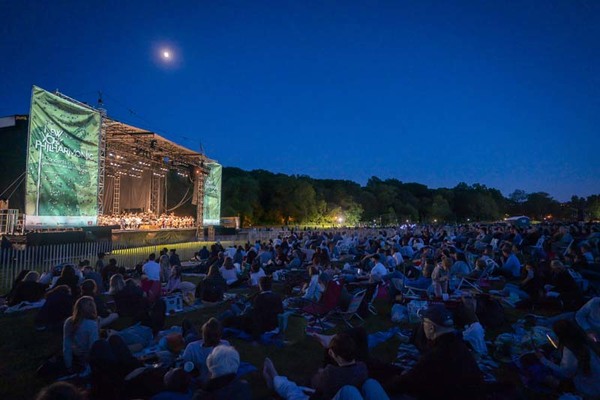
x,y
152,270
255,276
378,271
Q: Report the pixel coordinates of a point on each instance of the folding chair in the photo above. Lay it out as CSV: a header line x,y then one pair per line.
x,y
410,292
328,303
475,283
372,293
352,310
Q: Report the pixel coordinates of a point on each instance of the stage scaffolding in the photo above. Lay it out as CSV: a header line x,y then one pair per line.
x,y
134,153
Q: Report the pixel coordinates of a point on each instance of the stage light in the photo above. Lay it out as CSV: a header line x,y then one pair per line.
x,y
166,54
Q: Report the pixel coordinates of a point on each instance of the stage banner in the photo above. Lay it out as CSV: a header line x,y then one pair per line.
x,y
62,163
212,195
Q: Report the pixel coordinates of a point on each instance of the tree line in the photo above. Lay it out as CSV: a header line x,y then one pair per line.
x,y
261,197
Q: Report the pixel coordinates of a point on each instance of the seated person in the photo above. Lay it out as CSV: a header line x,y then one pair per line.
x,y
223,364
448,360
105,316
529,288
203,254
212,287
313,290
87,272
479,270
511,267
335,380
174,282
229,271
110,361
69,277
61,390
176,386
441,276
423,282
29,289
57,308
561,285
263,316
108,271
578,364
378,271
80,331
460,268
256,273
130,301
198,351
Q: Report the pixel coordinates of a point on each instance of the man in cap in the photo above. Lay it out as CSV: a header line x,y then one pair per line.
x,y
447,368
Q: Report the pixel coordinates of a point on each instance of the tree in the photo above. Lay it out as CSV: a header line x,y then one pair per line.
x,y
440,209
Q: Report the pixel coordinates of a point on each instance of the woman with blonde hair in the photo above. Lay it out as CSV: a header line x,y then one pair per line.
x,y
117,283
79,333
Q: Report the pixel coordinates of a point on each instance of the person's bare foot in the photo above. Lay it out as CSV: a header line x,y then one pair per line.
x,y
269,372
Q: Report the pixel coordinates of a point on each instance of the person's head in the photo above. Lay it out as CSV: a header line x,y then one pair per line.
x,y
176,380
211,332
265,283
101,255
228,263
152,257
213,271
446,262
557,265
480,264
255,267
84,308
32,276
376,257
112,262
570,336
117,283
428,270
223,360
436,321
506,250
68,272
342,348
173,251
312,270
60,289
60,391
89,288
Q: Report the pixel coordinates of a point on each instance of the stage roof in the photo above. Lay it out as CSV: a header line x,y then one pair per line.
x,y
127,144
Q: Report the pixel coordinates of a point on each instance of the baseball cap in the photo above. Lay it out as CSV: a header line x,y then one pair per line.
x,y
437,314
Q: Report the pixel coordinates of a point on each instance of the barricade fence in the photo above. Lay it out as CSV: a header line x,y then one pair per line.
x,y
45,258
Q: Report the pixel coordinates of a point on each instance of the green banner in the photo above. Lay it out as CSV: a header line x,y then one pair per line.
x,y
212,195
62,163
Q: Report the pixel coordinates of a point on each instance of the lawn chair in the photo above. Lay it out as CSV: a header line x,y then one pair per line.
x,y
372,293
328,303
476,283
352,310
409,292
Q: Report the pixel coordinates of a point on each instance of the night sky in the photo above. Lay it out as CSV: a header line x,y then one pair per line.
x,y
502,93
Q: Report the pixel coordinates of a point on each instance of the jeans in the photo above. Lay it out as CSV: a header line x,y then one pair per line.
x,y
370,390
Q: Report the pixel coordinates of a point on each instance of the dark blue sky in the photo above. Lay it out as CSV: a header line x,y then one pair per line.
x,y
501,93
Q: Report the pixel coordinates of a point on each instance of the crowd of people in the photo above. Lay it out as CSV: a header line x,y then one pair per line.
x,y
538,267
132,221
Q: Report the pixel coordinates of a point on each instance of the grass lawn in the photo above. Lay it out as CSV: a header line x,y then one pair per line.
x,y
23,349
